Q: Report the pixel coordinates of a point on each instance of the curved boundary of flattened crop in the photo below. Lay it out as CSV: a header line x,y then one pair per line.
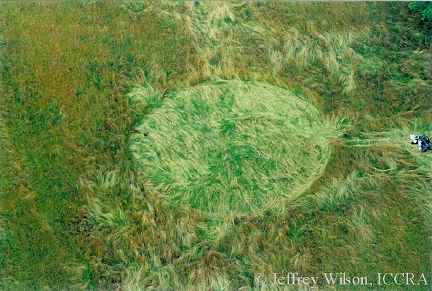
x,y
146,99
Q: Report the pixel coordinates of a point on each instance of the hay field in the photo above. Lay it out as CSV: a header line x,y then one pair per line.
x,y
120,120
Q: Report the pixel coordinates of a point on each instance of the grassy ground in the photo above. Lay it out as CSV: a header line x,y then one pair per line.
x,y
231,148
75,208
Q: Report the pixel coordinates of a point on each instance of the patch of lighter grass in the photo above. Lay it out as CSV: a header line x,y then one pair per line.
x,y
397,140
331,50
421,190
216,32
231,148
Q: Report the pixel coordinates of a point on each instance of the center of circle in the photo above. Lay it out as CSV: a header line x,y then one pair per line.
x,y
231,148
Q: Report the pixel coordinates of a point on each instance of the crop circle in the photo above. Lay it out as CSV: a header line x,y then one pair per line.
x,y
231,148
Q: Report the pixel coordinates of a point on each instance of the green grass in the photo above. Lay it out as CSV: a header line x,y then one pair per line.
x,y
231,148
82,81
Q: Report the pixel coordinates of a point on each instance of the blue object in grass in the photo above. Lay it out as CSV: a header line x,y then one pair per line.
x,y
423,142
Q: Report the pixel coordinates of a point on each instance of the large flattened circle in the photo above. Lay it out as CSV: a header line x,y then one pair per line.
x,y
231,148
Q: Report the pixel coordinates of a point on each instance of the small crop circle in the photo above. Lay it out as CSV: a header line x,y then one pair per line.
x,y
231,148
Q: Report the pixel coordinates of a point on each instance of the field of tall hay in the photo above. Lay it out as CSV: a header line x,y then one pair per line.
x,y
209,145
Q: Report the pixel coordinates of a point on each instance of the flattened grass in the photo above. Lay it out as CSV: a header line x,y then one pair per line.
x,y
232,148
